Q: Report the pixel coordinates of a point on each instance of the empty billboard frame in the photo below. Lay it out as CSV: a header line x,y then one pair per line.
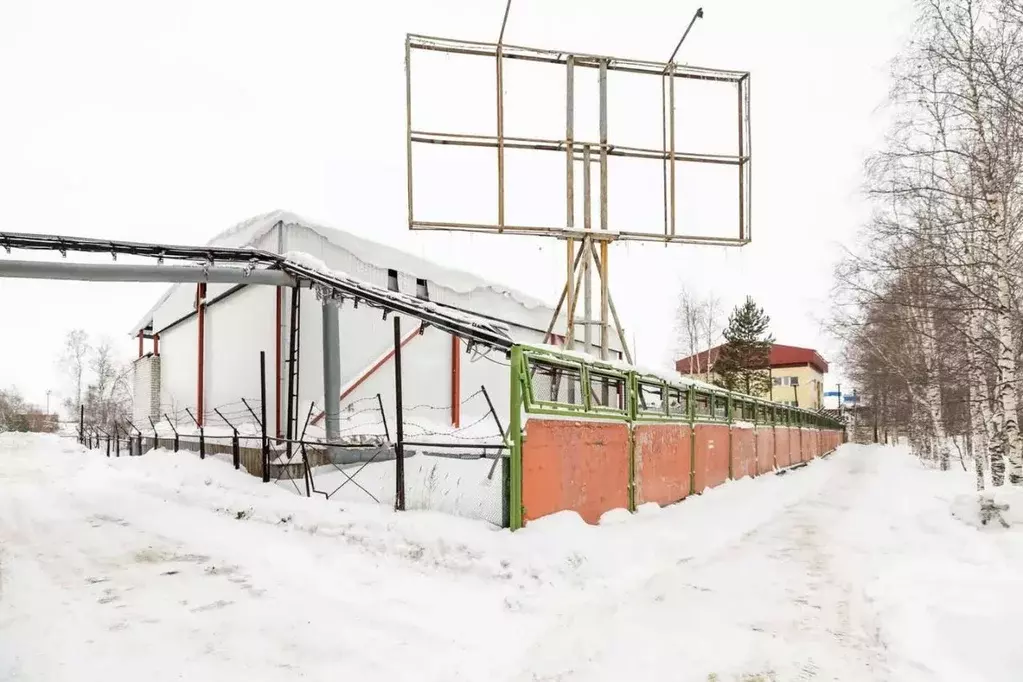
x,y
587,152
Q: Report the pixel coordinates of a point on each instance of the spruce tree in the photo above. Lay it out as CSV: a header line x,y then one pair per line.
x,y
743,361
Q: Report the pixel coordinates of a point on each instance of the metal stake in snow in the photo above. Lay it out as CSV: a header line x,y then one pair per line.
x,y
262,411
399,445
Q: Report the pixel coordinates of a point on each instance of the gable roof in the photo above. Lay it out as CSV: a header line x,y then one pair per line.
x,y
249,232
780,356
252,233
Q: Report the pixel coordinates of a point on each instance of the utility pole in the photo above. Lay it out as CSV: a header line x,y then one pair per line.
x,y
840,401
48,392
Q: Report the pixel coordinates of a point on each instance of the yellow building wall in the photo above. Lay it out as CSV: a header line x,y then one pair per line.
x,y
810,389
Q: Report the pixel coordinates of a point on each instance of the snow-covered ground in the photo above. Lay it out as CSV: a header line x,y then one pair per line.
x,y
165,567
472,488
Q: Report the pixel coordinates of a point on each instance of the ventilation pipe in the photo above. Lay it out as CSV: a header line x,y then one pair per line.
x,y
332,374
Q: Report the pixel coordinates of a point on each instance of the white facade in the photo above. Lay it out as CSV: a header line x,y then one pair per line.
x,y
242,321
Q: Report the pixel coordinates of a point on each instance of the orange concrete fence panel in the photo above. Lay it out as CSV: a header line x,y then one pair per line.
x,y
578,465
663,460
782,446
765,449
711,456
744,452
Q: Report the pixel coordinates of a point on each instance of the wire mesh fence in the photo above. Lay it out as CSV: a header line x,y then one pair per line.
x,y
461,470
557,384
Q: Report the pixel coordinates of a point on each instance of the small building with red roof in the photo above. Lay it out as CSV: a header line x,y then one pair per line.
x,y
797,374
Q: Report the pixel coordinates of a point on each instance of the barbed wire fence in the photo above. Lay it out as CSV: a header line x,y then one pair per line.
x,y
438,466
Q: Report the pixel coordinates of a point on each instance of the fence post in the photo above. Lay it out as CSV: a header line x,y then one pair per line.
x,y
138,440
305,456
383,419
305,469
235,453
515,434
81,424
174,429
500,430
108,446
117,440
202,434
399,450
262,410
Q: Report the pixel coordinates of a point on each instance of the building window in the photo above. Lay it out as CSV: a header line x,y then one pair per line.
x,y
392,280
422,291
786,381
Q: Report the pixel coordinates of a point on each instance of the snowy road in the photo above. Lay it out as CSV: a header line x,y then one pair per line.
x,y
165,568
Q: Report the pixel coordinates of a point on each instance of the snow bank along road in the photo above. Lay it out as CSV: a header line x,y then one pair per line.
x,y
165,567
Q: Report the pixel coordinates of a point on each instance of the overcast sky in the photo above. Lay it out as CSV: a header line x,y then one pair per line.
x,y
173,121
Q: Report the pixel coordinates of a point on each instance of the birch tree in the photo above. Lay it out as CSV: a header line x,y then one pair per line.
x,y
697,329
74,360
943,254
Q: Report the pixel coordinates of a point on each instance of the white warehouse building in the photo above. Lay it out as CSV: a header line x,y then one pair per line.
x,y
204,358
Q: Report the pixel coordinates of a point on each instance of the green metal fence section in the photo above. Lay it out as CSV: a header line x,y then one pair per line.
x,y
564,384
569,384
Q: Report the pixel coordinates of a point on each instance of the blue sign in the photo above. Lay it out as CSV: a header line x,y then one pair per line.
x,y
832,394
851,399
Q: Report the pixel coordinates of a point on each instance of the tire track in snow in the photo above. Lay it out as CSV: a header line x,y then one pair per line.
x,y
770,604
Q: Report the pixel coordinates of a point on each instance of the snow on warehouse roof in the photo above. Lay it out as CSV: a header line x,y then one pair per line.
x,y
256,233
249,232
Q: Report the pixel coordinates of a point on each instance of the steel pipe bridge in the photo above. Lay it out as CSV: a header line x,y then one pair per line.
x,y
221,264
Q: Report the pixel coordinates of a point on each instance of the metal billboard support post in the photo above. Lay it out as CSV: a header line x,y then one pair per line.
x,y
572,261
587,279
